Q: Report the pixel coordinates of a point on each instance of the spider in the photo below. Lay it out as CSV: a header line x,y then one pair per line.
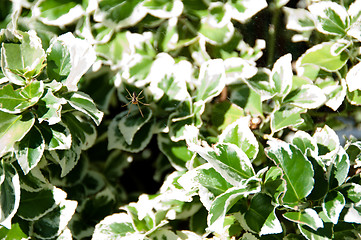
x,y
134,99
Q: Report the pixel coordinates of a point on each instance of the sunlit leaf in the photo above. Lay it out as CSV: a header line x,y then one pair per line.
x,y
297,170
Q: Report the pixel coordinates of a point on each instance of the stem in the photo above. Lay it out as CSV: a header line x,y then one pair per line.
x,y
272,34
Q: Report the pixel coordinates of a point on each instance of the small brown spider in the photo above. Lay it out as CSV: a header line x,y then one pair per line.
x,y
134,99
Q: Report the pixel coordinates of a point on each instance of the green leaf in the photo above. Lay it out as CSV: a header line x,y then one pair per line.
x,y
132,123
164,9
224,202
57,136
16,101
14,233
10,194
335,93
83,135
333,204
331,18
243,10
12,129
328,143
22,62
340,168
299,19
354,97
248,99
224,114
34,205
229,160
216,26
34,181
304,142
30,149
58,13
82,57
114,226
120,14
322,55
297,170
354,193
281,76
352,78
211,80
274,184
261,217
58,61
141,138
49,108
239,134
324,233
307,96
83,103
307,217
287,116
53,223
176,152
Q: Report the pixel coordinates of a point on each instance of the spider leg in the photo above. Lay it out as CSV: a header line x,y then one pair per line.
x,y
140,110
139,93
126,104
128,92
129,110
143,103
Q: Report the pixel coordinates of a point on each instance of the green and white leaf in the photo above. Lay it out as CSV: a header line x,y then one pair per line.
x,y
353,78
307,217
115,226
82,57
120,14
335,93
176,152
211,80
307,96
22,62
141,138
332,205
328,143
287,116
129,125
331,18
299,19
56,136
216,27
322,55
224,202
35,205
30,149
16,101
55,221
83,103
260,216
164,9
244,10
241,135
229,160
297,170
52,12
9,194
281,76
49,108
238,69
12,129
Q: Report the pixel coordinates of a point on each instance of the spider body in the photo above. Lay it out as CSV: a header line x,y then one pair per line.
x,y
134,99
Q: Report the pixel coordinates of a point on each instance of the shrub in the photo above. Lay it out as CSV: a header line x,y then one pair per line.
x,y
151,119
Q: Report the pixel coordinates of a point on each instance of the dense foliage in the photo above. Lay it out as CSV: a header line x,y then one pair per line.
x,y
170,119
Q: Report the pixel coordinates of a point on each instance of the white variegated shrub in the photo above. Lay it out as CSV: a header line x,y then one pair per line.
x,y
170,119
